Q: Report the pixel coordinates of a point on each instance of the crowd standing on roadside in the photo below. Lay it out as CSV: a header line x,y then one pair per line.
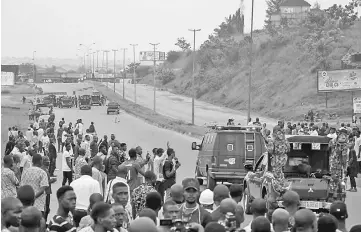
x,y
106,187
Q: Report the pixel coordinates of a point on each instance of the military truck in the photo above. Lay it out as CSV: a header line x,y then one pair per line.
x,y
85,102
96,98
227,153
66,101
306,172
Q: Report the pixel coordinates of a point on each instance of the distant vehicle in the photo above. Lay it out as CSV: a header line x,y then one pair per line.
x,y
113,107
66,101
48,101
227,153
85,102
96,98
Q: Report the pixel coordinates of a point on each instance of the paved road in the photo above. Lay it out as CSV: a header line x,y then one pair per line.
x,y
180,107
135,132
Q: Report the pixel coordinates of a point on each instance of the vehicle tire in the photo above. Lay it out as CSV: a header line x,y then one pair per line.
x,y
107,112
246,202
211,183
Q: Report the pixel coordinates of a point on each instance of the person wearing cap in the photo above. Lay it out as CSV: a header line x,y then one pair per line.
x,y
278,148
291,202
338,161
191,211
140,193
258,209
220,193
339,210
206,200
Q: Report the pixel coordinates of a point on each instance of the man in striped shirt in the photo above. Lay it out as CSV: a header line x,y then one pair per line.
x,y
62,220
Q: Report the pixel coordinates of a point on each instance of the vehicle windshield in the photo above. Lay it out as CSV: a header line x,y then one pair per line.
x,y
305,159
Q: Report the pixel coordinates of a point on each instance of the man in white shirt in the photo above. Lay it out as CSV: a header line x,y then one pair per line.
x,y
332,133
86,145
45,140
67,164
29,133
80,127
314,131
158,161
84,187
357,142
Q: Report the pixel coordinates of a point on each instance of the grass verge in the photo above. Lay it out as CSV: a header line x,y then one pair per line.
x,y
150,116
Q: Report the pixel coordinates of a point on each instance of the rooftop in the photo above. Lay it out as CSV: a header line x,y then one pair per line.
x,y
302,3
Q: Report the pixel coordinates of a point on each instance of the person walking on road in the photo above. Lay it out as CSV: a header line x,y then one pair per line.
x,y
52,157
67,164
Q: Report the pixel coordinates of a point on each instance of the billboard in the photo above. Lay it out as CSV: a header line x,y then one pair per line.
x,y
7,78
357,105
149,56
339,80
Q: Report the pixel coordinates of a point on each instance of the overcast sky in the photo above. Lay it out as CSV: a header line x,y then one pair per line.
x,y
54,28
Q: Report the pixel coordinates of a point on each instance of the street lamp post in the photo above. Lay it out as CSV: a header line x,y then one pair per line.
x,y
124,49
154,103
106,57
87,49
134,79
114,50
98,60
34,66
251,67
194,59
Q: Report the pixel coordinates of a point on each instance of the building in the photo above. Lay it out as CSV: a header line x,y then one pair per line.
x,y
294,11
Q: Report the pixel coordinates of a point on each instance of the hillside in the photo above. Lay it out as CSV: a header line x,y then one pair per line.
x,y
285,67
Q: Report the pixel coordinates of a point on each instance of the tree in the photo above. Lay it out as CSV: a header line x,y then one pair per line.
x,y
173,56
130,68
346,16
273,7
317,5
183,44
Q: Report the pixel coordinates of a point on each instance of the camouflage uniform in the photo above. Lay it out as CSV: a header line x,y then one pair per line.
x,y
278,148
337,161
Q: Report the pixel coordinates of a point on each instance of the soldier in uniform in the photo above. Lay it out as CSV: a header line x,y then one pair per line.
x,y
338,161
278,147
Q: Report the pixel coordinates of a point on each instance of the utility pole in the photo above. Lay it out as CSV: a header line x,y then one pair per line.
x,y
134,79
114,50
106,60
194,63
124,49
34,77
154,84
98,61
251,67
93,64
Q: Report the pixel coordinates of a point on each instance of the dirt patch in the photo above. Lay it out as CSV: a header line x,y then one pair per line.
x,y
150,116
13,113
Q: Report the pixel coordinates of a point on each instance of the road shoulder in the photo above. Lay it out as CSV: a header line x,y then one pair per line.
x,y
150,116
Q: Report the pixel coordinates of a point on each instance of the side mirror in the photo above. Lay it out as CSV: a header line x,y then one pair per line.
x,y
195,146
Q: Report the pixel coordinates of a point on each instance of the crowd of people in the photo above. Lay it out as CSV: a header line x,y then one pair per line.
x,y
106,187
